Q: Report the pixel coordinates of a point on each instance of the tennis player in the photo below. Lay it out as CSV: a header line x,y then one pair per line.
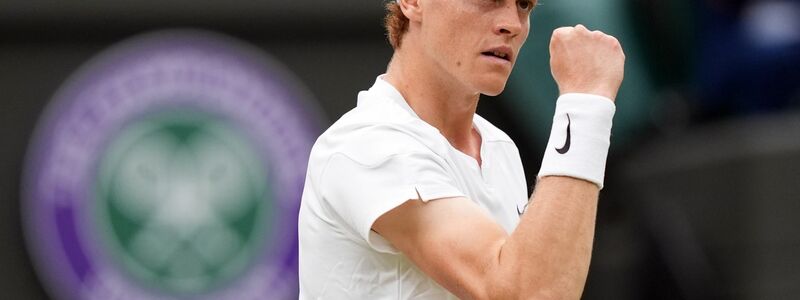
x,y
411,195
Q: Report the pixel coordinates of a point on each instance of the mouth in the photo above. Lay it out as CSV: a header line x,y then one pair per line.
x,y
503,53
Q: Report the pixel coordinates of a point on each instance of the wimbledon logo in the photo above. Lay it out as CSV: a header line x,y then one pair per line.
x,y
170,167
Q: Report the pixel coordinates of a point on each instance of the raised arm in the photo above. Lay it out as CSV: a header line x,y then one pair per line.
x,y
547,256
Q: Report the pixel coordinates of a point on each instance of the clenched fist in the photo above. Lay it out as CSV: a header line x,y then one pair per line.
x,y
584,61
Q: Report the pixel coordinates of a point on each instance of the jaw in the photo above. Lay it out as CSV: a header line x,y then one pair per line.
x,y
472,75
494,91
491,74
490,82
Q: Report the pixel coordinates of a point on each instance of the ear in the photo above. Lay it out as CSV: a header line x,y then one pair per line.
x,y
411,9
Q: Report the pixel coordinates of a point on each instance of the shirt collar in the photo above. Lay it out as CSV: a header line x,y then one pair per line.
x,y
386,89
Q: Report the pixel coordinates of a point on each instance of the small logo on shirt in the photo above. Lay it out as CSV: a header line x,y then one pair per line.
x,y
565,148
524,207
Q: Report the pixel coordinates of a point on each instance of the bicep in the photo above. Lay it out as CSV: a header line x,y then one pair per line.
x,y
452,240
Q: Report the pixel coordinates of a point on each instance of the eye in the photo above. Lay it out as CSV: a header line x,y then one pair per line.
x,y
525,5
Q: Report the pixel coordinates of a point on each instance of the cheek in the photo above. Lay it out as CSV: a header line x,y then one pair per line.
x,y
454,53
442,42
461,52
526,33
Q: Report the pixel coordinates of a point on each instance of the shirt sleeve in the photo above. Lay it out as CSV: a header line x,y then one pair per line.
x,y
361,191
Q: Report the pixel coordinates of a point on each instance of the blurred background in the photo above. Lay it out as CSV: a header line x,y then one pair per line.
x,y
702,197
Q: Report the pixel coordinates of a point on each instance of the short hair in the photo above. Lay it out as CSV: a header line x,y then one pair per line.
x,y
396,23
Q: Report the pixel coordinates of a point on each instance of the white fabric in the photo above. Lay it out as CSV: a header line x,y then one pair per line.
x,y
589,118
376,157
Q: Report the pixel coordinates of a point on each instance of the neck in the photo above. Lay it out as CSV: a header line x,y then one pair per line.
x,y
436,97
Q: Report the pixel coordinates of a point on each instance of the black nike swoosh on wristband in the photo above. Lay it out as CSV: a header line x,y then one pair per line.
x,y
565,148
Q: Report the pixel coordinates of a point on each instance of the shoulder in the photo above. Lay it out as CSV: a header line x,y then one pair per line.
x,y
369,134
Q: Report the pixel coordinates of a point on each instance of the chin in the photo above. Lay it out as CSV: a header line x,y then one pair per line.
x,y
490,83
493,88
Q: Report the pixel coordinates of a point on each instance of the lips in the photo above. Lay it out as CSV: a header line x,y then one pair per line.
x,y
499,52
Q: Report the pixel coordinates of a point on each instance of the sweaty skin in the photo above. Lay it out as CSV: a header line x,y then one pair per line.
x,y
441,69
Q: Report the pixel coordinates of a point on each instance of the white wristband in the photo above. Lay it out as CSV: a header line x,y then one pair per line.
x,y
579,138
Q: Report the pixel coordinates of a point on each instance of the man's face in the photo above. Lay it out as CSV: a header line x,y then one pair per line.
x,y
476,41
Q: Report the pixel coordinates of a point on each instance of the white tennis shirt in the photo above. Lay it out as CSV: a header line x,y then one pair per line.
x,y
374,158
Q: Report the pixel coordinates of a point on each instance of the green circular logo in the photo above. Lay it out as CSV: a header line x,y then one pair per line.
x,y
170,166
182,199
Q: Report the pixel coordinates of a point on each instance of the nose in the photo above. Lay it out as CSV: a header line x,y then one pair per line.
x,y
508,20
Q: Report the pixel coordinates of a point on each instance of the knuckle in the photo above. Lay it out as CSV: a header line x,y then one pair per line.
x,y
611,41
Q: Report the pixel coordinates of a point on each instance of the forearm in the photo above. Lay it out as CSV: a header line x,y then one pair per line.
x,y
548,255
